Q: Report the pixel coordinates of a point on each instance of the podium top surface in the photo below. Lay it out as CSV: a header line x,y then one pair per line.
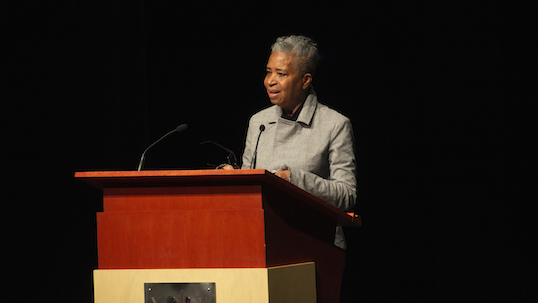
x,y
103,179
150,178
169,173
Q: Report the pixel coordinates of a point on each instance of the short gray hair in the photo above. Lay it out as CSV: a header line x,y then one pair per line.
x,y
304,48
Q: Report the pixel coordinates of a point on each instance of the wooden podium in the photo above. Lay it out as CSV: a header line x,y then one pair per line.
x,y
261,238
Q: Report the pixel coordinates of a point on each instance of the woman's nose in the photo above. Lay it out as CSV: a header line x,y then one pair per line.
x,y
271,80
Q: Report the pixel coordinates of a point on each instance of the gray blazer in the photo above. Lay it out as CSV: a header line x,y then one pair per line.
x,y
318,150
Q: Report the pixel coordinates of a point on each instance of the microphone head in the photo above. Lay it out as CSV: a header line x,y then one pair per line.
x,y
262,127
182,127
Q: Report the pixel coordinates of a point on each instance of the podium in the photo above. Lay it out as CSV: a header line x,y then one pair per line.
x,y
257,237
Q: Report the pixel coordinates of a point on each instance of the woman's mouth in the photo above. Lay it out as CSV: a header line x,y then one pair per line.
x,y
273,93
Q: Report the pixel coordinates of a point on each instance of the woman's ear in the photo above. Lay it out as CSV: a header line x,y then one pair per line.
x,y
307,80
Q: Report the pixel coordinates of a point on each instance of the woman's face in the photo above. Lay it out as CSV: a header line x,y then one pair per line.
x,y
284,86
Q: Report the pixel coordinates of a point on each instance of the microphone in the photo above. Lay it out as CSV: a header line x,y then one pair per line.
x,y
232,159
178,129
255,155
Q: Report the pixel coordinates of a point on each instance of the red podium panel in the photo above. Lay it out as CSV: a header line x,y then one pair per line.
x,y
215,219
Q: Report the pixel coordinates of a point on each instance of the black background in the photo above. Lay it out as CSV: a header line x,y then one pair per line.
x,y
437,94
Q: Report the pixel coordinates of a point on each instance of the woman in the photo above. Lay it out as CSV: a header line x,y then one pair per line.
x,y
299,139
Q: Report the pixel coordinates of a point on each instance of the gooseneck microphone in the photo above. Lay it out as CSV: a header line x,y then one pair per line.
x,y
255,155
232,159
178,129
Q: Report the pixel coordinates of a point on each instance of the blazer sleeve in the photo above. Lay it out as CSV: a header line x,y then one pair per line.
x,y
340,187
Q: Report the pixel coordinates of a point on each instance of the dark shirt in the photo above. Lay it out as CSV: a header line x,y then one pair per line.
x,y
295,114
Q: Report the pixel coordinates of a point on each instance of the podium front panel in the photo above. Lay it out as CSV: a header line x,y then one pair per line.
x,y
181,227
